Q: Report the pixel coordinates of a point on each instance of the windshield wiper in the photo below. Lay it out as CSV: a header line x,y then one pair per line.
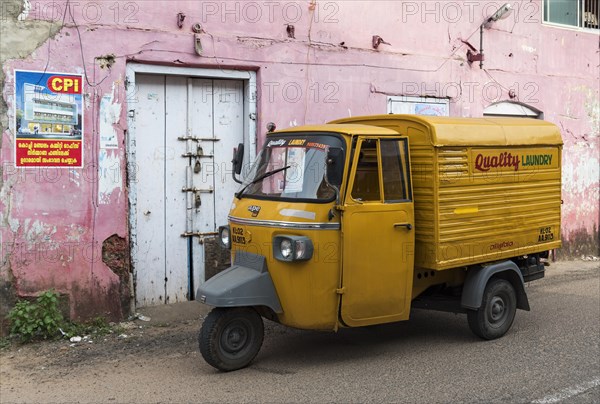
x,y
260,178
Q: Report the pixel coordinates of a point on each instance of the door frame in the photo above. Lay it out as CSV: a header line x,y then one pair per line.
x,y
249,136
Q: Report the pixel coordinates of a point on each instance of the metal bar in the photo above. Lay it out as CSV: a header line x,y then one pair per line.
x,y
198,234
481,45
189,202
286,225
197,190
196,155
201,236
198,139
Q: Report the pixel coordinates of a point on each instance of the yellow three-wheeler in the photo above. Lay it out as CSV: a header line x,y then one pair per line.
x,y
322,230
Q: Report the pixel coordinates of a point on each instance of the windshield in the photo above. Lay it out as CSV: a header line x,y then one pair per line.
x,y
292,167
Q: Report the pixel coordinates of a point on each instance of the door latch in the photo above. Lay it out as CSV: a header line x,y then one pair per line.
x,y
196,155
200,235
198,139
197,190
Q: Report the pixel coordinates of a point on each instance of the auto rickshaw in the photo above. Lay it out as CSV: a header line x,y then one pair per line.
x,y
322,233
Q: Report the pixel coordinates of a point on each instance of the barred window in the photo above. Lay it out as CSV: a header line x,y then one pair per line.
x,y
575,13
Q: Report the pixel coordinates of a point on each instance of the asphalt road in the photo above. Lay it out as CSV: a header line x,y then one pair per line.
x,y
550,355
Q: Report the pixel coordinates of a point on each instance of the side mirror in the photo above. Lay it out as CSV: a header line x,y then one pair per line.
x,y
335,166
238,158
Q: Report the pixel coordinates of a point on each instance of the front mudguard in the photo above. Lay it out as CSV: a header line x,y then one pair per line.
x,y
246,283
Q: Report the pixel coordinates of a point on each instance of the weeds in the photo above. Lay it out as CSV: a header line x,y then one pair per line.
x,y
4,343
96,327
41,320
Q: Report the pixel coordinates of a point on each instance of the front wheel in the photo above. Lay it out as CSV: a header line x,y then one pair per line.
x,y
230,338
497,312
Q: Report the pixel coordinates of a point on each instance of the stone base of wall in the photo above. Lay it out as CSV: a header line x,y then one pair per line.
x,y
580,244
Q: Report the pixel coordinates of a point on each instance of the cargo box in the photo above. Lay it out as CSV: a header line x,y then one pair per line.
x,y
485,189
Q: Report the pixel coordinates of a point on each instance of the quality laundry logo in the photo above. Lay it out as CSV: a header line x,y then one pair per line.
x,y
513,161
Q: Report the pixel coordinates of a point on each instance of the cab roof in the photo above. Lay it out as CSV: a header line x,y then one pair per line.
x,y
450,131
349,129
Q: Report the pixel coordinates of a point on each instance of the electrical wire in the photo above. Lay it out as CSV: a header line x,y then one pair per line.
x,y
307,62
494,80
87,80
63,24
49,42
308,48
263,61
217,57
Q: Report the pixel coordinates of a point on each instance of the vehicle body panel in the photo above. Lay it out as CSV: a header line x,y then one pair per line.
x,y
306,289
484,189
246,283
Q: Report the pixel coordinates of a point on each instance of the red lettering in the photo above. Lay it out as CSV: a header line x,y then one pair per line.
x,y
504,159
479,163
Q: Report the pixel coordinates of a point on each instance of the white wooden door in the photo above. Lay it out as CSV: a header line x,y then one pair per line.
x,y
185,131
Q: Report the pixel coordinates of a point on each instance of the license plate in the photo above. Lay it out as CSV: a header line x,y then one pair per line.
x,y
237,235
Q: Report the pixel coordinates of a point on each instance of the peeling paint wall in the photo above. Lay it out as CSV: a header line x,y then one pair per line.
x,y
55,222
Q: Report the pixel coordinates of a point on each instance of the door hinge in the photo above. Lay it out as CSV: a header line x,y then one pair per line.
x,y
341,291
341,208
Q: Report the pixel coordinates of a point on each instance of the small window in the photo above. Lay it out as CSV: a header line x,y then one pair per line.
x,y
366,181
394,164
575,13
430,106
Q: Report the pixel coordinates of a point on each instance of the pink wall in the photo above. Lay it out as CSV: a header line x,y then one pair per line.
x,y
57,218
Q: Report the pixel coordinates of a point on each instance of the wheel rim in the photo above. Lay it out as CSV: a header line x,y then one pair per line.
x,y
235,337
497,311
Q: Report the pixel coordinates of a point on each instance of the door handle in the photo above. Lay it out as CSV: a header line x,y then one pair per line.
x,y
407,225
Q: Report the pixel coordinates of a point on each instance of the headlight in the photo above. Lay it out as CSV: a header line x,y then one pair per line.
x,y
292,248
224,236
285,247
300,249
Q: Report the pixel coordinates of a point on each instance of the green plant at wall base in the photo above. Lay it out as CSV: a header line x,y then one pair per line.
x,y
95,327
40,319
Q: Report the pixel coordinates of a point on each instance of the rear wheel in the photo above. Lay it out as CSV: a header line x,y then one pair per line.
x,y
230,338
497,312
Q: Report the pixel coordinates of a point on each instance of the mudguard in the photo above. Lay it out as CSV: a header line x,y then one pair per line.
x,y
478,277
246,283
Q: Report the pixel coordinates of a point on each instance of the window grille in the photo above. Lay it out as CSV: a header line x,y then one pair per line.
x,y
576,13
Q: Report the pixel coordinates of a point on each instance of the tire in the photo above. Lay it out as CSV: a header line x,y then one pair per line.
x,y
497,312
230,338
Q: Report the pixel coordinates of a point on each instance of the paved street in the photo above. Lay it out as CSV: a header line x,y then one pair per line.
x,y
550,355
